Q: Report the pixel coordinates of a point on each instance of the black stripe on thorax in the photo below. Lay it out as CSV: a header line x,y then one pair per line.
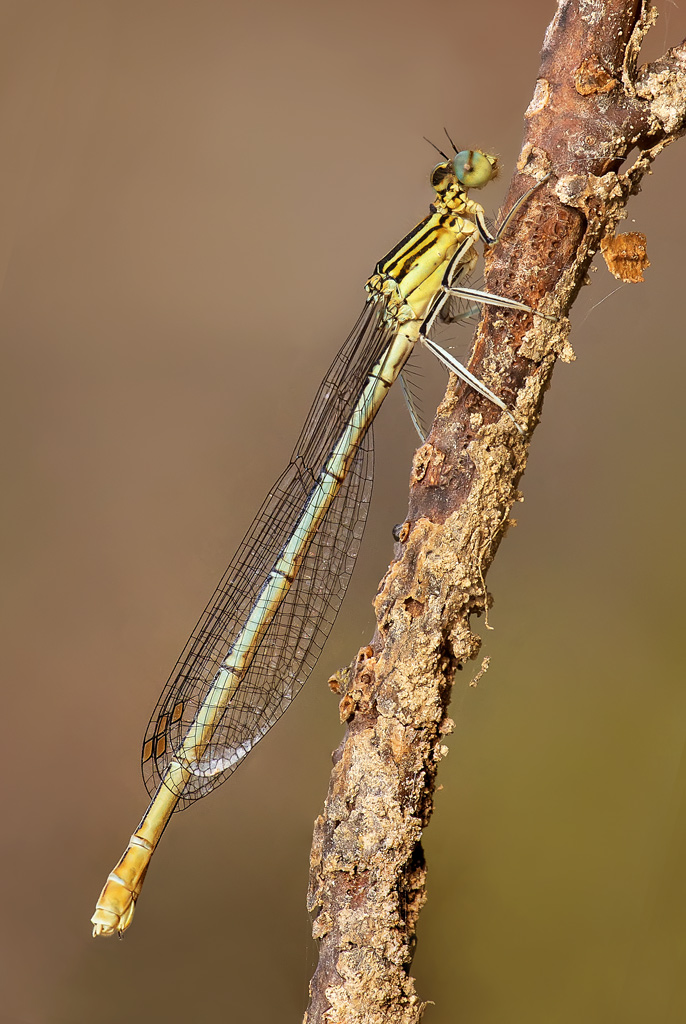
x,y
416,232
397,262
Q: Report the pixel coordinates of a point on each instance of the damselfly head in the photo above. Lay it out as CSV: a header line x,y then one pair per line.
x,y
474,169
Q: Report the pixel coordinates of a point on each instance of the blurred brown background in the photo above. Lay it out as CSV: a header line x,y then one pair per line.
x,y
192,195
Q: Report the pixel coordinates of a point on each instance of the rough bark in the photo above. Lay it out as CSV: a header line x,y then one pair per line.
x,y
592,106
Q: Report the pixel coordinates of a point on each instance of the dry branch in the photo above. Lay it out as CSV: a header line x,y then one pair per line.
x,y
590,110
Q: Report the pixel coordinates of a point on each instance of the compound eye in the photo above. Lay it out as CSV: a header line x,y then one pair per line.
x,y
474,169
440,176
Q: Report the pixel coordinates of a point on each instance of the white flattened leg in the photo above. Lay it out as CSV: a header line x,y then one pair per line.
x,y
455,366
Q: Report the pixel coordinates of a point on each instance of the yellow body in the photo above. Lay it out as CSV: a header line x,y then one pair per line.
x,y
406,281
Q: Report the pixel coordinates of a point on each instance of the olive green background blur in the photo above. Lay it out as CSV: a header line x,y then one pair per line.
x,y
192,195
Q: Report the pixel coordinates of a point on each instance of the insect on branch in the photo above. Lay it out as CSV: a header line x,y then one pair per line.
x,y
593,109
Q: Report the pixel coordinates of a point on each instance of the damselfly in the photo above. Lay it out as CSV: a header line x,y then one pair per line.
x,y
261,634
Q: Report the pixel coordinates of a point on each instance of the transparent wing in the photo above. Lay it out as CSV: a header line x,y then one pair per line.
x,y
296,635
457,309
412,394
